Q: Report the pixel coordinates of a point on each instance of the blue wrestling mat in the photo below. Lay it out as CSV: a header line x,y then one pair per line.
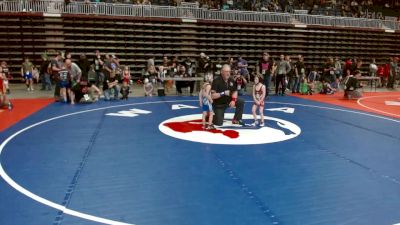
x,y
146,161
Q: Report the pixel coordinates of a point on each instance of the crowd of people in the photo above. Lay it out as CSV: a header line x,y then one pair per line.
x,y
70,77
353,8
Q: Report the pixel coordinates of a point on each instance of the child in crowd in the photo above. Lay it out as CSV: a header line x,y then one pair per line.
x,y
258,97
35,75
3,92
327,88
205,102
115,64
26,73
240,82
65,85
306,88
126,79
148,87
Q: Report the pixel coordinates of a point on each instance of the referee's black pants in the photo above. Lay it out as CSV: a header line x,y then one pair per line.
x,y
219,111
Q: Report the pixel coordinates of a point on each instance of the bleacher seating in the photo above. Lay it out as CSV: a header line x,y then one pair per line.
x,y
135,39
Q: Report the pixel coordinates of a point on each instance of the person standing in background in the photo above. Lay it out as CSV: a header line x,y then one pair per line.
x,y
283,67
84,65
26,73
299,71
44,73
393,70
98,67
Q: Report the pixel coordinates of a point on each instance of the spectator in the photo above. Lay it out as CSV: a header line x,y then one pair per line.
x,y
85,92
381,74
55,66
224,95
357,65
232,63
242,65
98,66
204,65
240,81
7,76
126,79
74,71
151,74
3,95
218,67
166,65
115,66
111,87
44,73
338,71
327,89
148,87
26,73
329,71
150,62
373,68
266,67
189,66
35,75
283,67
348,67
68,55
84,65
182,84
393,70
174,64
108,67
351,86
300,72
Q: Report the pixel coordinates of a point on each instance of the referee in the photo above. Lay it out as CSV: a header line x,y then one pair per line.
x,y
224,95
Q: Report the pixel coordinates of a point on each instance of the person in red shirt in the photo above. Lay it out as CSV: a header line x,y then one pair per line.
x,y
382,75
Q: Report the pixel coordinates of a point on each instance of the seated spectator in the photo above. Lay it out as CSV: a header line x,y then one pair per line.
x,y
306,88
182,84
111,87
85,92
351,86
327,88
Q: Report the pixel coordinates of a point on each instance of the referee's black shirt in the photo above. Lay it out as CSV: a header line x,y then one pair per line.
x,y
219,85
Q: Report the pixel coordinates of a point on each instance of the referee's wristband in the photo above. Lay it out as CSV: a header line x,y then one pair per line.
x,y
222,93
